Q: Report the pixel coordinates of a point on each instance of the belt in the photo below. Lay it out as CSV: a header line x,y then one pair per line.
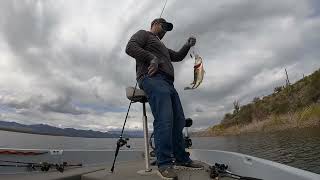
x,y
159,72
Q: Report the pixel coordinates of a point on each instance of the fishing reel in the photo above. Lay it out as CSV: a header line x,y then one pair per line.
x,y
217,170
46,166
221,167
221,170
121,142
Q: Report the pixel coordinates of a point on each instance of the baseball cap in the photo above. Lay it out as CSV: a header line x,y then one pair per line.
x,y
167,26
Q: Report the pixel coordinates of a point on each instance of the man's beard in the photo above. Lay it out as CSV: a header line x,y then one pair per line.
x,y
161,34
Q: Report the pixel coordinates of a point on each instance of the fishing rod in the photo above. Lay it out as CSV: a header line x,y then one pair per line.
x,y
121,142
44,166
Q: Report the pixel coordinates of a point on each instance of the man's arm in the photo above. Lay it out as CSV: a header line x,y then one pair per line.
x,y
135,47
180,55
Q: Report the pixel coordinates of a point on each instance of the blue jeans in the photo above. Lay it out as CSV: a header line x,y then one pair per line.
x,y
169,119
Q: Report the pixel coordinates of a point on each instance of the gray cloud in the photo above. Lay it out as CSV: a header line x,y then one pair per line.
x,y
62,105
27,24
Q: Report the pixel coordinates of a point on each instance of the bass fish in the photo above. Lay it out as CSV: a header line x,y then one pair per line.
x,y
198,72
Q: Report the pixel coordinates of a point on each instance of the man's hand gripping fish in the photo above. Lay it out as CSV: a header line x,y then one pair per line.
x,y
198,72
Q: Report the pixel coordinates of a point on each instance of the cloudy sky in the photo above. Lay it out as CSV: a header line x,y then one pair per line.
x,y
63,63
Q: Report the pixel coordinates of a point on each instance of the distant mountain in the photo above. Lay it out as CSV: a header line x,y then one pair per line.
x,y
45,129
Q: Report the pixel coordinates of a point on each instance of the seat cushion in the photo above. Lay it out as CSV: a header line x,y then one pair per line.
x,y
139,95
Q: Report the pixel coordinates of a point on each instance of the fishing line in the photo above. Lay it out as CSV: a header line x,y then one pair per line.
x,y
163,8
192,53
194,50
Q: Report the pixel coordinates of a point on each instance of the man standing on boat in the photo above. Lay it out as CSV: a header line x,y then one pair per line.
x,y
155,75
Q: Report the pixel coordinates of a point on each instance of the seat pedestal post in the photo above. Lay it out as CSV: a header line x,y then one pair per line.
x,y
148,170
146,138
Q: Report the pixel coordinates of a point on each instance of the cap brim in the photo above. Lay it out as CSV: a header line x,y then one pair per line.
x,y
167,26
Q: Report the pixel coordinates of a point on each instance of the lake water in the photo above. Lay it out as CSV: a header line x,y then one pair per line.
x,y
298,148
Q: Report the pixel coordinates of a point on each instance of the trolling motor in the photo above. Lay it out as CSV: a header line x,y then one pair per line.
x,y
187,140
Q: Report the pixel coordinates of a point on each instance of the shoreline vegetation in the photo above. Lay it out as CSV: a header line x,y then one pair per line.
x,y
308,117
290,107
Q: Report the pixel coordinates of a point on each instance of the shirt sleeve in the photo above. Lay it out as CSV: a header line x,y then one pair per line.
x,y
135,47
180,55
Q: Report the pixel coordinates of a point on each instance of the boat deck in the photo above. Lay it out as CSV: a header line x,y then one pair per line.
x,y
97,164
123,171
